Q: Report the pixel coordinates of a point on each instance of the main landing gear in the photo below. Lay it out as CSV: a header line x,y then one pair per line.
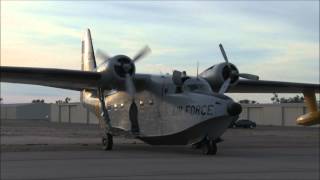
x,y
107,139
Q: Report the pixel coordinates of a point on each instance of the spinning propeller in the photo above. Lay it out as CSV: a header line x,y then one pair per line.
x,y
126,66
233,73
102,55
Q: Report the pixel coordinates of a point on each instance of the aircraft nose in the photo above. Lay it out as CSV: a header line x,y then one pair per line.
x,y
234,109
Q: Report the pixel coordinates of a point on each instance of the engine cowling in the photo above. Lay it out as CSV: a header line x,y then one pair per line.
x,y
217,74
114,72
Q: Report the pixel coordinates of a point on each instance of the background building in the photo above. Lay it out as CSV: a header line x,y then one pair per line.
x,y
263,114
39,111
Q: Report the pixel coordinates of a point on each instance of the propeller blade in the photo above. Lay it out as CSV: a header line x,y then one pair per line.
x,y
224,55
249,76
225,86
131,90
143,52
102,55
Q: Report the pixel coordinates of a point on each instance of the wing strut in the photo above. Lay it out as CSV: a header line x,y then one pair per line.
x,y
104,112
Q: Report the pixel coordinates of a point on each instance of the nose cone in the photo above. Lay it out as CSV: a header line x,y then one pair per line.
x,y
234,109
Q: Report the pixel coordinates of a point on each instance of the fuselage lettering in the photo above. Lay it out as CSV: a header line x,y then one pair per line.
x,y
196,109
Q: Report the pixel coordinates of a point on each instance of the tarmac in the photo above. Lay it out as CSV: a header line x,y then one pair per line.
x,y
50,151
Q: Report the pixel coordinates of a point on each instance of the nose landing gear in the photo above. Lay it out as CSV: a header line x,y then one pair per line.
x,y
107,142
208,146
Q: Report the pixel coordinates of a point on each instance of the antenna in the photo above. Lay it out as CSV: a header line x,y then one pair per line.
x,y
197,69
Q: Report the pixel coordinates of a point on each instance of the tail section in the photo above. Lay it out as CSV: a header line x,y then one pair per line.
x,y
88,63
87,59
89,98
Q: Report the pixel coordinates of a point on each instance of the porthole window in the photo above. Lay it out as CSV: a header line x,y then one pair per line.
x,y
150,102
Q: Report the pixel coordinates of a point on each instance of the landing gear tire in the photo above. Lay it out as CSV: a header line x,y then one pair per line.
x,y
209,148
107,142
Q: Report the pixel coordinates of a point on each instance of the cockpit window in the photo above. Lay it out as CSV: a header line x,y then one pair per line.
x,y
196,85
193,87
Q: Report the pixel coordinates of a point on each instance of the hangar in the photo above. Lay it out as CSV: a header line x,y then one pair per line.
x,y
35,111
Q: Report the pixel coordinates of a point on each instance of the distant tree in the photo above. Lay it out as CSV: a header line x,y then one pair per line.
x,y
295,99
275,99
59,102
1,99
247,101
67,100
37,101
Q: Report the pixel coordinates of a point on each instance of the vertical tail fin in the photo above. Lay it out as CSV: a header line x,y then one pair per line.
x,y
87,59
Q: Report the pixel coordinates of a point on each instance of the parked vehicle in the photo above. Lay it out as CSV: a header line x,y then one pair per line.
x,y
243,123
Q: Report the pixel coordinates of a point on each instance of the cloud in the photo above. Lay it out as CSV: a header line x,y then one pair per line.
x,y
295,62
276,40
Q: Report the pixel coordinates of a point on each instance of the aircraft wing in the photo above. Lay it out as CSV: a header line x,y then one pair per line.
x,y
260,86
59,78
308,90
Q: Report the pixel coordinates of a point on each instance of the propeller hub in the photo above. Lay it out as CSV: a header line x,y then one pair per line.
x,y
230,72
124,66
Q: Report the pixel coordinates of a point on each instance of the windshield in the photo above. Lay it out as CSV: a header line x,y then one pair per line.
x,y
196,85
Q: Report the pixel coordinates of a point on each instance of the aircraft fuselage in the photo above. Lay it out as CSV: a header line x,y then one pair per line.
x,y
161,115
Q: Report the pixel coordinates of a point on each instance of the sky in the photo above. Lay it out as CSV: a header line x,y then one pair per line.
x,y
277,40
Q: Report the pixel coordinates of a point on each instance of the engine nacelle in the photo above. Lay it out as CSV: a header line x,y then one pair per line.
x,y
217,74
114,72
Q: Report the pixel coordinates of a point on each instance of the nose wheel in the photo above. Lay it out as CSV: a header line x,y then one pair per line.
x,y
107,142
208,146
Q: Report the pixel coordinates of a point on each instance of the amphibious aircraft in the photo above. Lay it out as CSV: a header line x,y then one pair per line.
x,y
172,109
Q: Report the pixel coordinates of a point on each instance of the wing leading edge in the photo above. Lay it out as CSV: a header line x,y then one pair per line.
x,y
59,78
